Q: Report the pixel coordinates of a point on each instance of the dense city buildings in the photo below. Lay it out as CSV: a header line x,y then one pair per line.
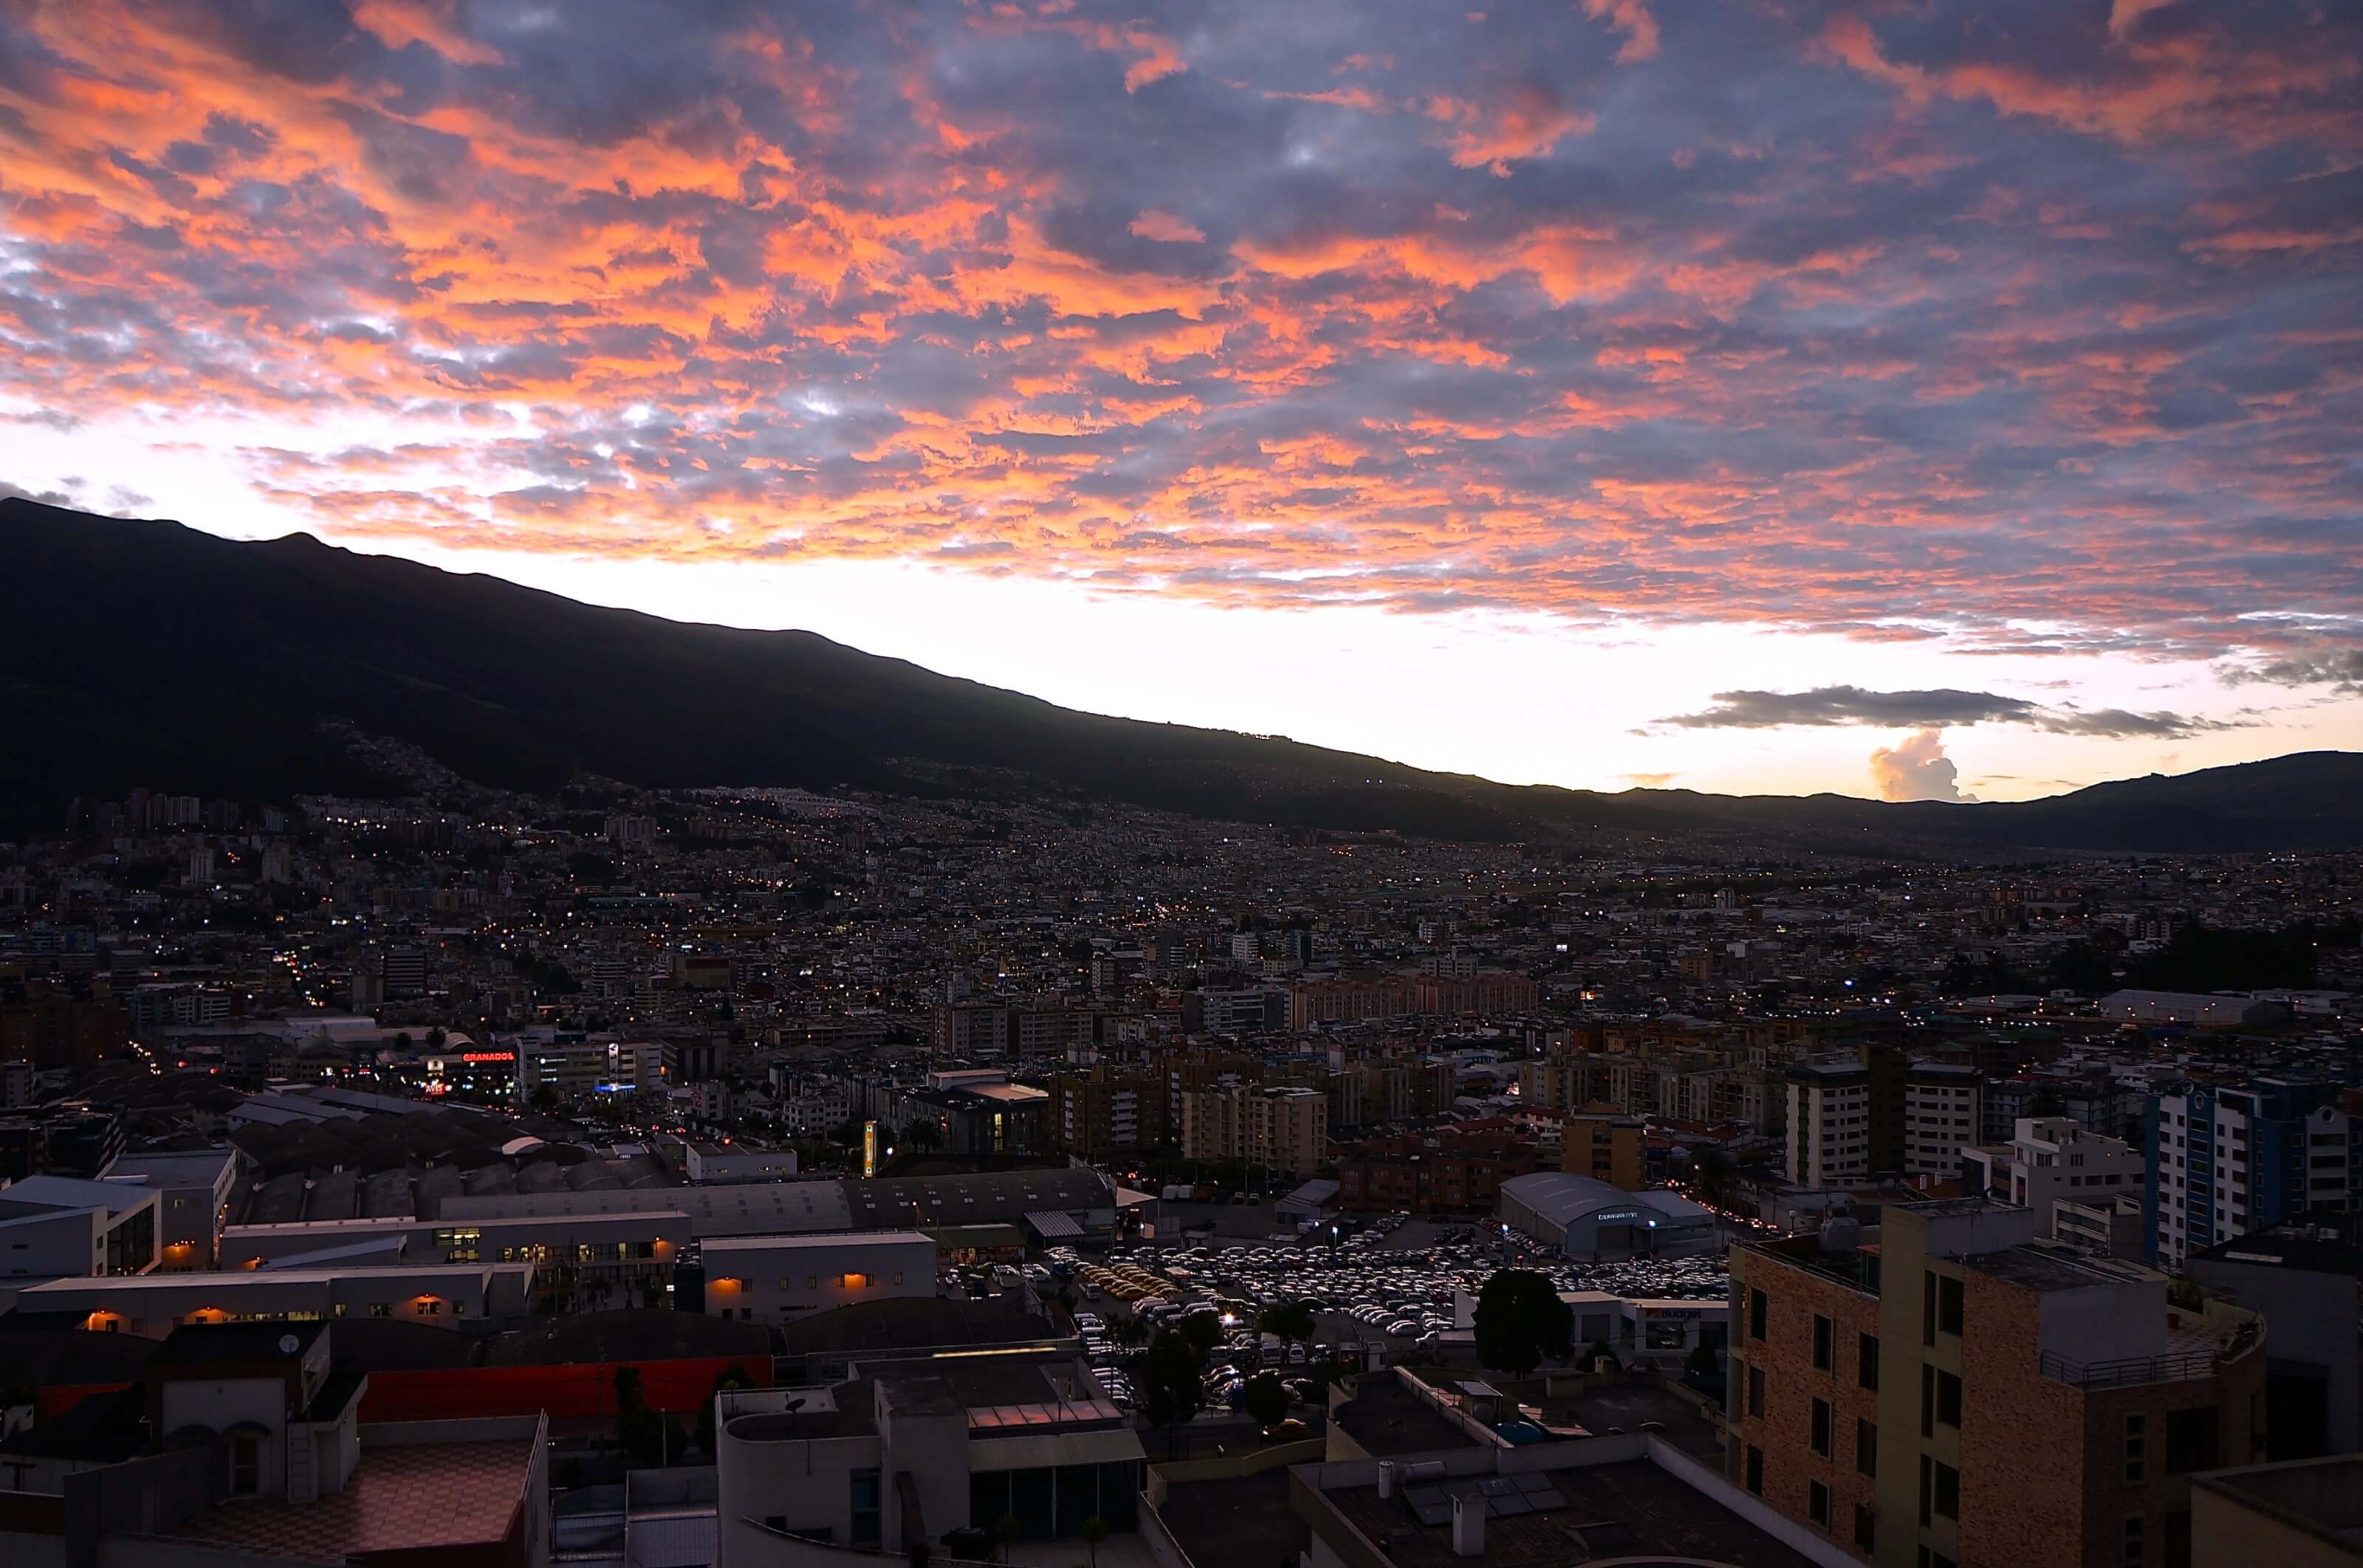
x,y
919,1118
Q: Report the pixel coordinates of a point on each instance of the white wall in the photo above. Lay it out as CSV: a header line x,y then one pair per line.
x,y
775,1279
2105,1322
43,1246
808,1481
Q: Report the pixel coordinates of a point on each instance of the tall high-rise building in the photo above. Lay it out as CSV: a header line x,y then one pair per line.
x,y
2224,1161
1941,1118
1950,1389
1829,1124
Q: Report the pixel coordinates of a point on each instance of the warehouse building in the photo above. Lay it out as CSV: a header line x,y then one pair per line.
x,y
1584,1218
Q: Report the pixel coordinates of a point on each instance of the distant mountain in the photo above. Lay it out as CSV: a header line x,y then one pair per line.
x,y
148,653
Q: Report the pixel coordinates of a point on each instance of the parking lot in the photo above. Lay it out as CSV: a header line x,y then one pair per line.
x,y
1393,1283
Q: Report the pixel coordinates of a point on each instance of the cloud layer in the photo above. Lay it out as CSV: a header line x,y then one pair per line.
x,y
1826,705
2034,325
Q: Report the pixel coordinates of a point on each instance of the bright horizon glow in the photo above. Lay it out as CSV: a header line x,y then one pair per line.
x,y
1958,401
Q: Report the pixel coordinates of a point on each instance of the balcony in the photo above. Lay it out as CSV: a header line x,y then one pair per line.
x,y
2222,1336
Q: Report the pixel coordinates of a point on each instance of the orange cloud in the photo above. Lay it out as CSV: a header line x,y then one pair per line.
x,y
1163,226
1637,22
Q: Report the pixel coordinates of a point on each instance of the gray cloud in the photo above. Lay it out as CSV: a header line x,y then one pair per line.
x,y
1835,705
1853,705
2339,667
2122,723
46,497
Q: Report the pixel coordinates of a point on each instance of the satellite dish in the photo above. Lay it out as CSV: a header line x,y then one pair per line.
x,y
287,1343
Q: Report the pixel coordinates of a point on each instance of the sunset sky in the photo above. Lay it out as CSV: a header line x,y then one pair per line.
x,y
1890,397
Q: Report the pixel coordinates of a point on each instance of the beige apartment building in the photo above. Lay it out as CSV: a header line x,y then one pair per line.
x,y
1284,1127
1949,1389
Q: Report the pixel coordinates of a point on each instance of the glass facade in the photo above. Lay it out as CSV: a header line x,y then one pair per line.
x,y
1053,1503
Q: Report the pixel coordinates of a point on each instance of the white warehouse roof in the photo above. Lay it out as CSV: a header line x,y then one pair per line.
x,y
1561,1199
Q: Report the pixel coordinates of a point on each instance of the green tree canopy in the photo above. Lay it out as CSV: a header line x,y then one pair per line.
x,y
1266,1399
1520,1319
1171,1394
1204,1330
1291,1320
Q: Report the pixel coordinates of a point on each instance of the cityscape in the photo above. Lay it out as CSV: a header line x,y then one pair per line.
x,y
1180,786
612,1149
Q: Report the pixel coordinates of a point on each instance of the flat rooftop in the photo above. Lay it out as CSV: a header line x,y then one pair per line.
x,y
1387,1419
2323,1497
1630,1510
827,1239
2053,1268
442,1495
1241,1520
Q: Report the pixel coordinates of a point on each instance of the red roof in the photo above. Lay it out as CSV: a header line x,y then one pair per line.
x,y
455,1494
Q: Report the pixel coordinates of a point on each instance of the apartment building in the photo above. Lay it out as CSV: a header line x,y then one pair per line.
x,y
1949,1389
1424,1175
1600,1142
1349,998
1829,1124
1098,1114
2055,1165
1941,1118
1281,1126
1563,1081
2224,1161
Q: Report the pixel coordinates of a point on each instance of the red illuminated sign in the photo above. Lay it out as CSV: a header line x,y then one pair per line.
x,y
489,1056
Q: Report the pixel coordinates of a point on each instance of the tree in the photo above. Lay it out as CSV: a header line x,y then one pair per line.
x,y
640,1431
1702,1362
1170,1394
1520,1319
1130,1332
1202,1331
1291,1321
921,1133
1004,1534
1266,1400
544,1098
728,1378
1094,1530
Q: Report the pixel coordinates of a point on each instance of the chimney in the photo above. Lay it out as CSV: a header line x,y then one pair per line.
x,y
1386,1478
1469,1526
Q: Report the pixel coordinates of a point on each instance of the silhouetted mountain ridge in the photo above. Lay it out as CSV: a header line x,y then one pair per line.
x,y
148,653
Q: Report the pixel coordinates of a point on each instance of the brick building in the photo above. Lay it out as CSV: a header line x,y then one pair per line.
x,y
1953,1390
1443,1174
